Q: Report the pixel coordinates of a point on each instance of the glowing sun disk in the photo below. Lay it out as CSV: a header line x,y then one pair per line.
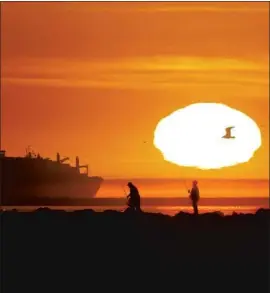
x,y
192,136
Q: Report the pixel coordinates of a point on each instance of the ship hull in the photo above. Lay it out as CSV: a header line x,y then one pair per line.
x,y
63,194
43,182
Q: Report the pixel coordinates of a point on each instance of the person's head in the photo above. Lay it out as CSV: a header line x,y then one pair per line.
x,y
130,185
195,183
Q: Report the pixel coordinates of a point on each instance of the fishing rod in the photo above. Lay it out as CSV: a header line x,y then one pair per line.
x,y
185,182
125,194
124,190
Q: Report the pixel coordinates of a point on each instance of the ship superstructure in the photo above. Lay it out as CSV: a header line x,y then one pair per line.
x,y
32,176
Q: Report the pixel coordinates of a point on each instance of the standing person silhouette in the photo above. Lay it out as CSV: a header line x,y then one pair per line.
x,y
194,196
134,199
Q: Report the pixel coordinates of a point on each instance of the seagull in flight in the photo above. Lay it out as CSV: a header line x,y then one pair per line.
x,y
228,132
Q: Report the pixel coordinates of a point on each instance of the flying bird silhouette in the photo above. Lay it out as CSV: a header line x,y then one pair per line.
x,y
228,133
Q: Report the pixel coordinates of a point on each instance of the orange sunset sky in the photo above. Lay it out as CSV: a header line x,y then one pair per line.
x,y
94,79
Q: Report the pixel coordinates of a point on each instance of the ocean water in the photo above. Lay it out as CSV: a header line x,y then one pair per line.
x,y
209,188
170,196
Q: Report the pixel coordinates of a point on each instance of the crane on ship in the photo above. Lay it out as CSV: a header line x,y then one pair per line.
x,y
59,160
78,166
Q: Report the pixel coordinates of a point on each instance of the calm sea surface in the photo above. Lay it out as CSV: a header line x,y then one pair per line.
x,y
178,188
169,196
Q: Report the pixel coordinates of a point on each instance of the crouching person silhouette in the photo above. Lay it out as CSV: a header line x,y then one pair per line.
x,y
134,198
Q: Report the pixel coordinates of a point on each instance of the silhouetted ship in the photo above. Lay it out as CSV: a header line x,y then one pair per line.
x,y
33,179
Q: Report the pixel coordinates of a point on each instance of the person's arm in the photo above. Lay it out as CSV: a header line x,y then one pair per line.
x,y
191,193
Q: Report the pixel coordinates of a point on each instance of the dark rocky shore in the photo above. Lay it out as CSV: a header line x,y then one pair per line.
x,y
86,251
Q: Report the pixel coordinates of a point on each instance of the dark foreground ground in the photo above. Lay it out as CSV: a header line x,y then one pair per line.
x,y
85,251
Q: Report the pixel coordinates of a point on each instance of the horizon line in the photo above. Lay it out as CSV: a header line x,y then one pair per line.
x,y
182,178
